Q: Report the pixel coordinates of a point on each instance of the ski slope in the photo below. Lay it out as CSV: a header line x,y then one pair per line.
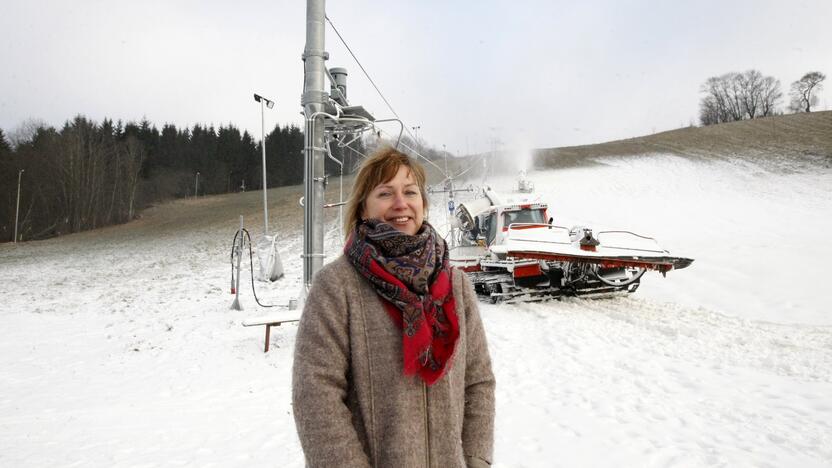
x,y
118,347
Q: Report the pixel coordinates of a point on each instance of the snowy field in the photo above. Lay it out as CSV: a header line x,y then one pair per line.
x,y
117,347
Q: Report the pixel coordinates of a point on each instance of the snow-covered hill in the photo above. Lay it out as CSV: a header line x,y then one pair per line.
x,y
117,347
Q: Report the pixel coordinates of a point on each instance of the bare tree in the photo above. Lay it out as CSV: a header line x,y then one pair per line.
x,y
81,174
134,156
750,84
721,102
709,113
25,132
732,90
713,105
803,91
738,96
770,96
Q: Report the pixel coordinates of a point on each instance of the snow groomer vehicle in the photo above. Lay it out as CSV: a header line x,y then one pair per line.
x,y
513,252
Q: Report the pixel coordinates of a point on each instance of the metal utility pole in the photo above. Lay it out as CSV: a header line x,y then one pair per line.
x,y
17,210
445,154
196,185
267,103
239,246
313,100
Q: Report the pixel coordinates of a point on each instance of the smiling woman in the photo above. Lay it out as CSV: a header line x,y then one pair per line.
x,y
397,202
391,364
389,186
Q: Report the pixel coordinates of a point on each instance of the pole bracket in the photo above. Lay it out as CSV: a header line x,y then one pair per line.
x,y
314,53
314,97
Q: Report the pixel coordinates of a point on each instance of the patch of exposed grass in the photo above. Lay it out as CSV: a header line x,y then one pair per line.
x,y
786,140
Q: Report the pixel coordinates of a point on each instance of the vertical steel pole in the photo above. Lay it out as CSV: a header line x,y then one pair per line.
x,y
263,144
313,100
448,185
17,210
239,246
196,185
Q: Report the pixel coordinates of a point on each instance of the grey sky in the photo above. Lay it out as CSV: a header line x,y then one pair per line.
x,y
533,73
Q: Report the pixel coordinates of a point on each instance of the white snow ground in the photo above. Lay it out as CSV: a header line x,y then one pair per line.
x,y
118,348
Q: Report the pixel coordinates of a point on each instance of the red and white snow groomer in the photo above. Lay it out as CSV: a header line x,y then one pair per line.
x,y
512,252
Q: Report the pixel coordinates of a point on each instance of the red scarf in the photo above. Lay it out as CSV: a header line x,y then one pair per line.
x,y
413,277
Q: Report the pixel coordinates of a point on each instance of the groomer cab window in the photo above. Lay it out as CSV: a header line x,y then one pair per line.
x,y
489,223
524,216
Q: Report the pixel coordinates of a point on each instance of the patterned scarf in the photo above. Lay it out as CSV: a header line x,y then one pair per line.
x,y
412,275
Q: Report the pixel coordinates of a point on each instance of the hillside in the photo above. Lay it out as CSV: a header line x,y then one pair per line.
x,y
785,140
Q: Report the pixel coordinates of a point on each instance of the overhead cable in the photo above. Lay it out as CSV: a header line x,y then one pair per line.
x,y
389,106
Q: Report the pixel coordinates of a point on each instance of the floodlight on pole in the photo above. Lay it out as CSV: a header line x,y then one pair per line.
x,y
260,98
17,210
268,103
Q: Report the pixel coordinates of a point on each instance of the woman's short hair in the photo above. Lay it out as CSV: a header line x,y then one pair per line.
x,y
380,167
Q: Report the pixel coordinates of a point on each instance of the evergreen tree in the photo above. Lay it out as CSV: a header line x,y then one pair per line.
x,y
170,147
5,147
248,170
8,181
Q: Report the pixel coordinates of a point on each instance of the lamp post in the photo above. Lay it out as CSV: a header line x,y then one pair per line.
x,y
17,210
196,185
263,101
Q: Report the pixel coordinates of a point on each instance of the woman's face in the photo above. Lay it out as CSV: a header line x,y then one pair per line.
x,y
397,202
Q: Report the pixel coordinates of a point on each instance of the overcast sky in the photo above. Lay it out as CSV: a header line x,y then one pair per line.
x,y
532,73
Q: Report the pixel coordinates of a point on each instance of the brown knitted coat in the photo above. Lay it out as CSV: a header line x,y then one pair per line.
x,y
354,407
